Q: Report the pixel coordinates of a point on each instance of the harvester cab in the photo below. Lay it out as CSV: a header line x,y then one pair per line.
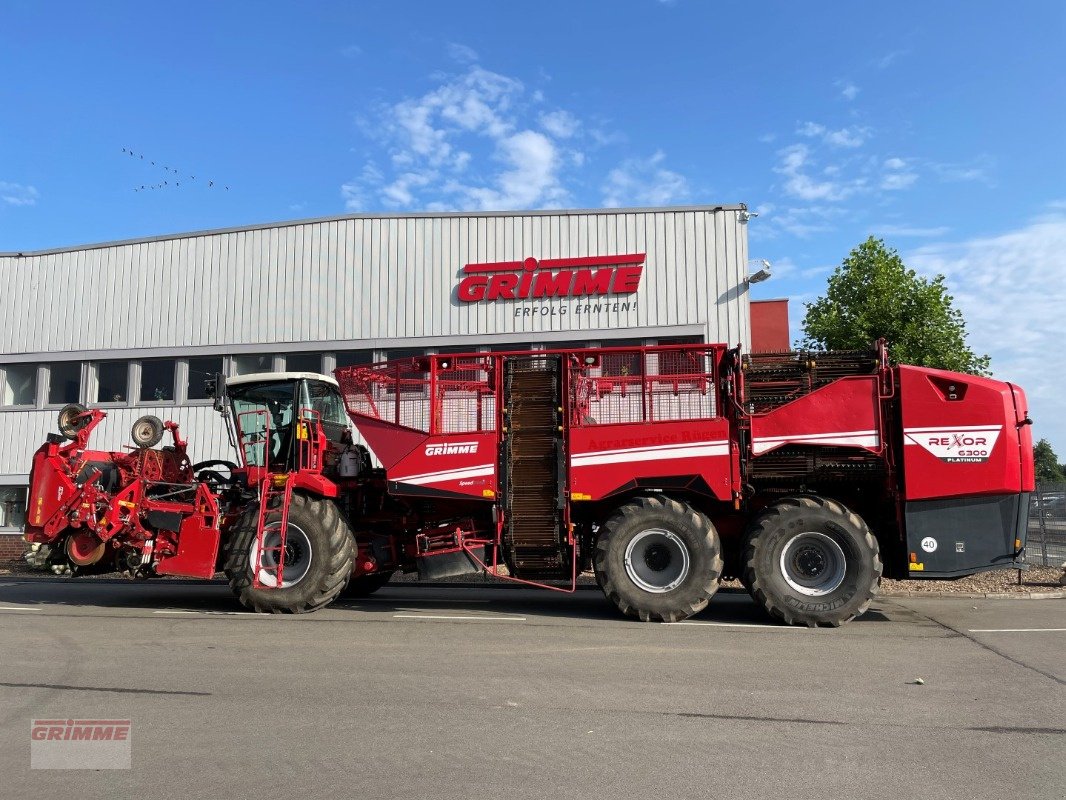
x,y
286,422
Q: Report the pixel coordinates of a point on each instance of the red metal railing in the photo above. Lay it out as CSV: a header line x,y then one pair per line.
x,y
458,394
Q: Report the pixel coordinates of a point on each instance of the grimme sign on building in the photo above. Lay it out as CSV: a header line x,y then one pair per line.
x,y
554,278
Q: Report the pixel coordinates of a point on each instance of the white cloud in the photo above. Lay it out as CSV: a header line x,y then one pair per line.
x,y
560,124
17,194
897,174
848,90
354,193
911,231
478,139
529,176
461,53
352,51
467,143
885,61
796,164
894,181
854,136
976,170
643,182
850,137
1011,290
801,222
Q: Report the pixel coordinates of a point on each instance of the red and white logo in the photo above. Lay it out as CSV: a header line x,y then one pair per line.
x,y
80,744
451,448
551,277
966,444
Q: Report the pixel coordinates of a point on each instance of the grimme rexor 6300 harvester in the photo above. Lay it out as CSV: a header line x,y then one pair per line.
x,y
806,475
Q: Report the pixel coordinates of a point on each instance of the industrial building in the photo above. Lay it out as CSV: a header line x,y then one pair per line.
x,y
135,327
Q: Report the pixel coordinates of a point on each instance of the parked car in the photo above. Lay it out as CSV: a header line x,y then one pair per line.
x,y
1051,504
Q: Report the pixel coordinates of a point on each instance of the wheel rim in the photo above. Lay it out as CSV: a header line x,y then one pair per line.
x,y
813,564
143,432
297,556
657,561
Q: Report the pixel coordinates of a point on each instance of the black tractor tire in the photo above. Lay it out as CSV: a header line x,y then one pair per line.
x,y
812,561
68,421
147,431
332,553
366,585
666,545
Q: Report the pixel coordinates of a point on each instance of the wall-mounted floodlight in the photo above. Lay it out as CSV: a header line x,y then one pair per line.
x,y
762,273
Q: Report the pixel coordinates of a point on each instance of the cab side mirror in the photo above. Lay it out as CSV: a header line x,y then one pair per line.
x,y
215,387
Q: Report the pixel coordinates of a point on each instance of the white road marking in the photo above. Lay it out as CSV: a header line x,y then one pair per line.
x,y
393,600
248,614
740,625
1017,630
18,608
454,616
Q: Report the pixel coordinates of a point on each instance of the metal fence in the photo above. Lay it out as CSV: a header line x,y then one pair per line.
x,y
1046,543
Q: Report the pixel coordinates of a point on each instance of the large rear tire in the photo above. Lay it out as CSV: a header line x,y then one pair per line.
x,y
658,559
320,550
811,561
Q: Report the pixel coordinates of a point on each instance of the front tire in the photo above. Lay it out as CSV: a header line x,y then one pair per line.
x,y
658,559
811,561
320,550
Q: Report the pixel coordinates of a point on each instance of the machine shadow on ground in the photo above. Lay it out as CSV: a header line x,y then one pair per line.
x,y
214,597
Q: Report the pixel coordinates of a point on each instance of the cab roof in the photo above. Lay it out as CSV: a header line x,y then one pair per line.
x,y
275,377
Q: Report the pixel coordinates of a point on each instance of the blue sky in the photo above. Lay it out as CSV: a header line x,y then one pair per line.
x,y
938,126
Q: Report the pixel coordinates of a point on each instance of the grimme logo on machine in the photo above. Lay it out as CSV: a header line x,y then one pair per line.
x,y
972,445
551,277
451,448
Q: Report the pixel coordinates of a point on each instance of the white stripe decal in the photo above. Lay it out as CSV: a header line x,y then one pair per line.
x,y
762,444
447,475
814,436
650,454
954,428
652,447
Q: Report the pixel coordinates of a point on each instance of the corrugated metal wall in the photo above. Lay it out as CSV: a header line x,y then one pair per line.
x,y
348,280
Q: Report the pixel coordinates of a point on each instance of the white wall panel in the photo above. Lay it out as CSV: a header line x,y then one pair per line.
x,y
357,281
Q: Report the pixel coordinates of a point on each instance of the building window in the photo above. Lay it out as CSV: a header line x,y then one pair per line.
x,y
248,364
683,362
623,364
12,506
112,381
303,362
157,381
355,358
202,370
64,383
20,385
570,344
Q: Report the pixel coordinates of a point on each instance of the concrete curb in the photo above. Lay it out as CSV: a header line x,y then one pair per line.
x,y
980,595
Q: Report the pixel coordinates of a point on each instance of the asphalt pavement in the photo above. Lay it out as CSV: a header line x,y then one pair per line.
x,y
454,693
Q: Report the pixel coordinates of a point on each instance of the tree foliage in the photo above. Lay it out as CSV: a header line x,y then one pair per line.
x,y
872,294
1048,469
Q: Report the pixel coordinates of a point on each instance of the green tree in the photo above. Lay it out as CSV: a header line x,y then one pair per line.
x,y
872,294
1048,469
